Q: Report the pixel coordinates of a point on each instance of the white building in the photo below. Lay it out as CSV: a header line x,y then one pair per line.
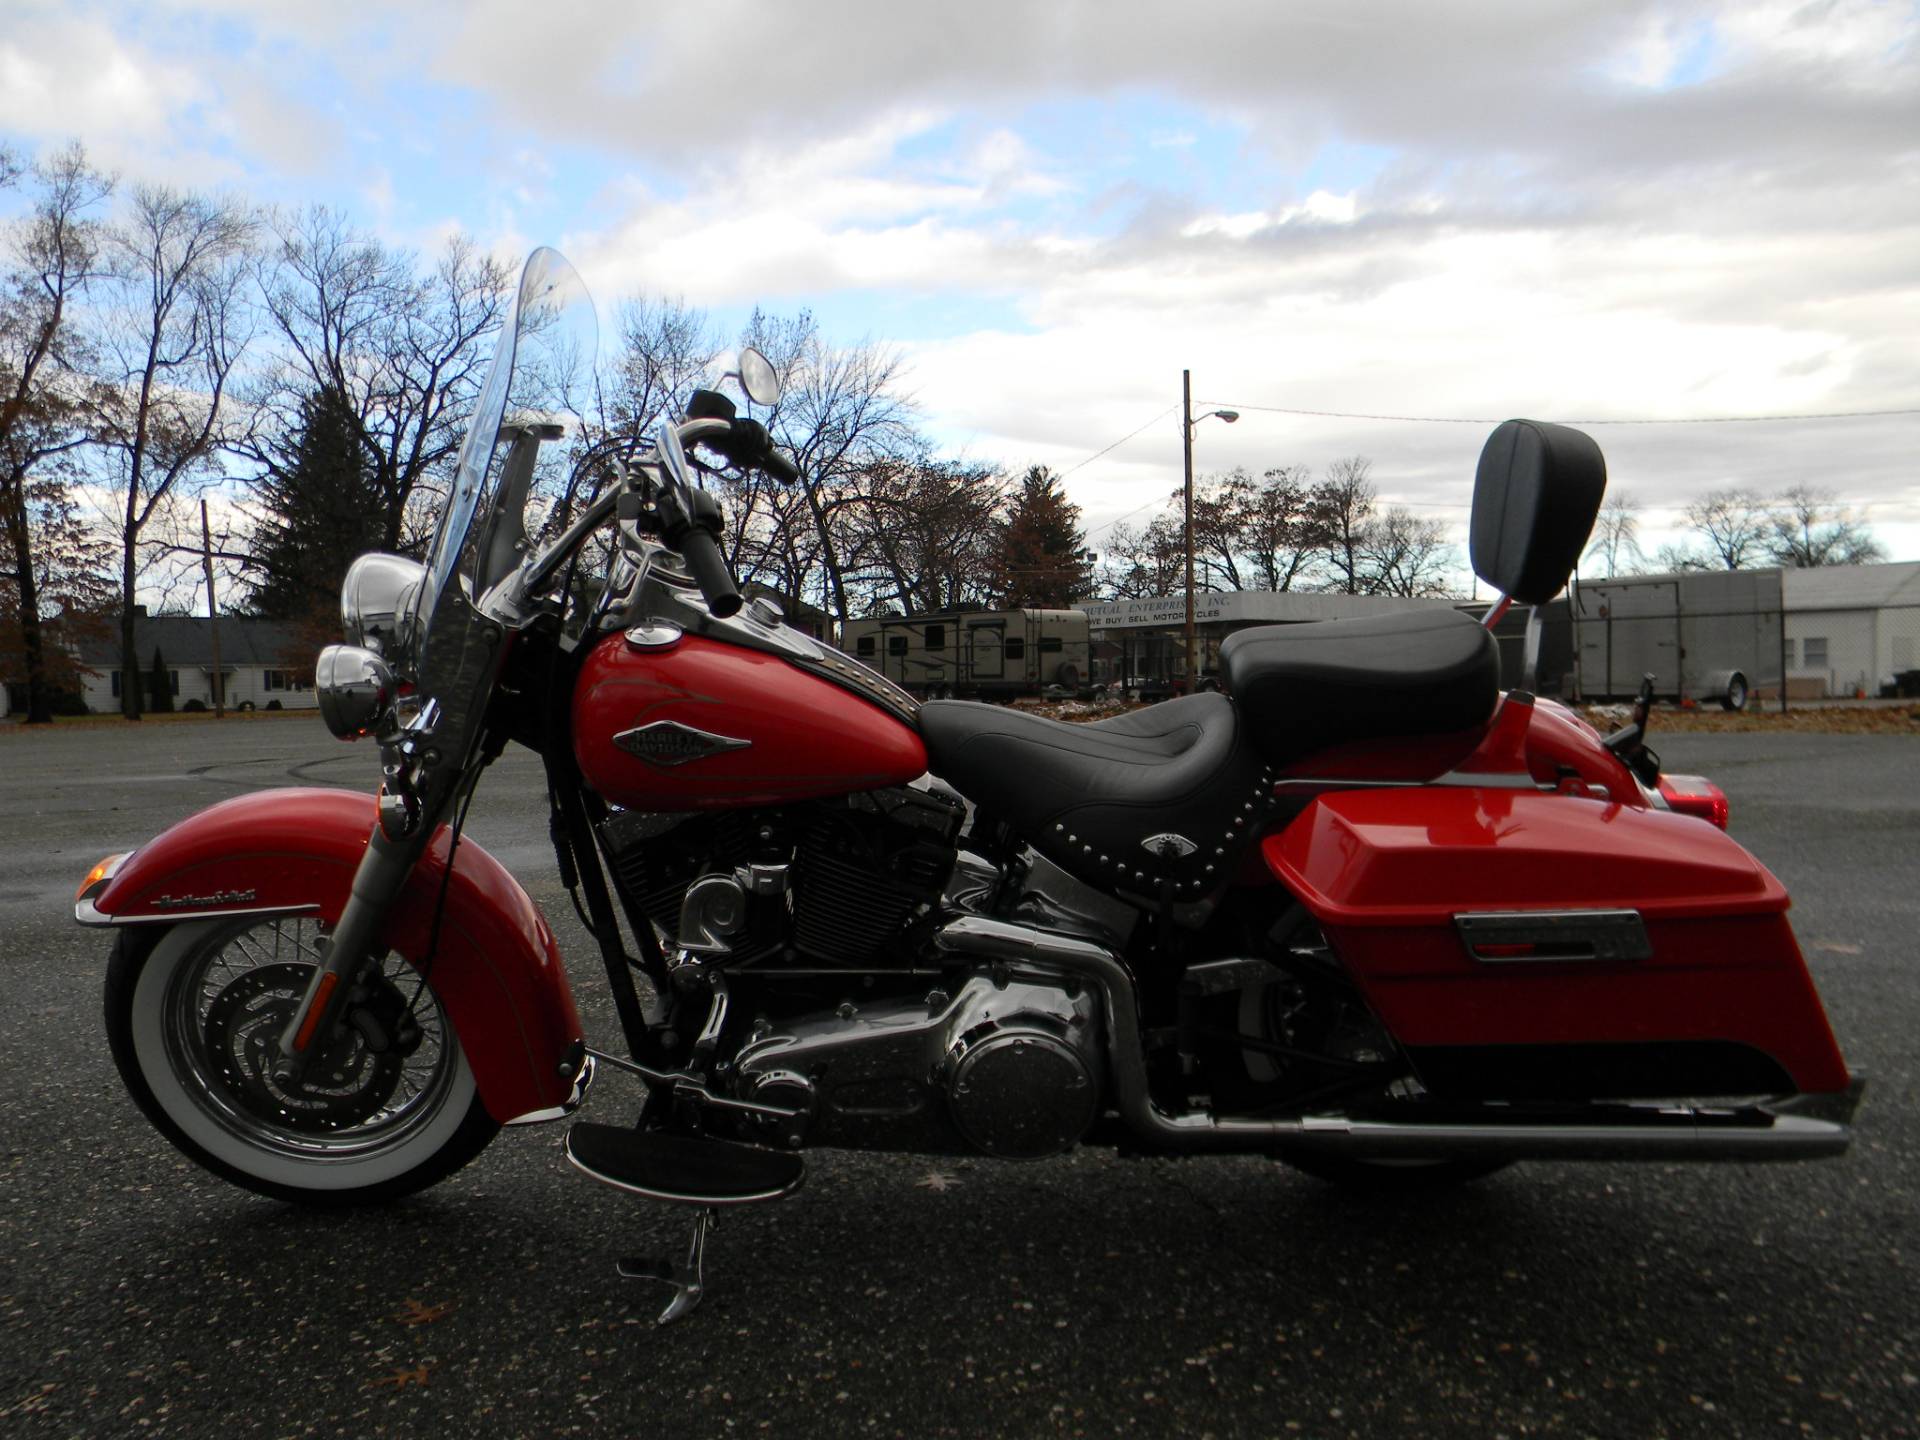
x,y
1851,629
265,663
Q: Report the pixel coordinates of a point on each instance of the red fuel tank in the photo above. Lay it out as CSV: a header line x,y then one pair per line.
x,y
700,724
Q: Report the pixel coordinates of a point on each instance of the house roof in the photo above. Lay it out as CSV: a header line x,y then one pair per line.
x,y
1854,587
188,640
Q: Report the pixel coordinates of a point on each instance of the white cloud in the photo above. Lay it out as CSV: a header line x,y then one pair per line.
x,y
62,76
1548,223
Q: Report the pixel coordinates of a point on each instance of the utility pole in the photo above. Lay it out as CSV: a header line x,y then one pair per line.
x,y
1186,449
1187,424
213,615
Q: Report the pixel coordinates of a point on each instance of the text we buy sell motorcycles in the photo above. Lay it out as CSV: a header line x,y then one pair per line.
x,y
1362,913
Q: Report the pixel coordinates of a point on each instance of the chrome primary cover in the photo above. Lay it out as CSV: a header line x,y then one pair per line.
x,y
1010,1068
1023,1067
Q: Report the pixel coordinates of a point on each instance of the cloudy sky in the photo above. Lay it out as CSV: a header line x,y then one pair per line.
x,y
1585,211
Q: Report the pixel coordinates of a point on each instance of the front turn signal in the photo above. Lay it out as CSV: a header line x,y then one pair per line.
x,y
98,877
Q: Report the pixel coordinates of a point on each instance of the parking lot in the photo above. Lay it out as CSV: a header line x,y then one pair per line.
x,y
1083,1296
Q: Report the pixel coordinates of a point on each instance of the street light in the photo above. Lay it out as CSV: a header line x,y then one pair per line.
x,y
1187,426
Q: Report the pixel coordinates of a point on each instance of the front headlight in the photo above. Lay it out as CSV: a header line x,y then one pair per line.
x,y
355,689
377,602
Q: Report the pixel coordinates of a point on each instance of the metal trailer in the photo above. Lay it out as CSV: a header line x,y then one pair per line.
x,y
992,654
1715,637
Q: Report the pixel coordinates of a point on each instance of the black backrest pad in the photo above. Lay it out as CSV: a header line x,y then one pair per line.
x,y
1535,497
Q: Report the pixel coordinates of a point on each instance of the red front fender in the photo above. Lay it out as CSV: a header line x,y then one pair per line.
x,y
497,971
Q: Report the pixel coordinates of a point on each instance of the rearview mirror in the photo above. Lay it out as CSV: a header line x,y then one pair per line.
x,y
1535,498
757,378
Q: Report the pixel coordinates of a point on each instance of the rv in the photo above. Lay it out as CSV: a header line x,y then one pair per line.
x,y
989,654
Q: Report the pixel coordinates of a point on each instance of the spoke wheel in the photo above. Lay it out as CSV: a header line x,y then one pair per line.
x,y
386,1106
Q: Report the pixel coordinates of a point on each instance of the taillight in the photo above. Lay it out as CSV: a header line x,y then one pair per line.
x,y
1695,795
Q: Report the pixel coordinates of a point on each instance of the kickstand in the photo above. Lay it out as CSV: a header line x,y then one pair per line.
x,y
688,1280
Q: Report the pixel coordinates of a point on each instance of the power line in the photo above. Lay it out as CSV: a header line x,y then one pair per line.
x,y
1484,420
1118,443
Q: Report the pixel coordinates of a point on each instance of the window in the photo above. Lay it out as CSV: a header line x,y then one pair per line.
x,y
116,684
1816,651
896,644
274,680
1016,649
1049,644
936,637
863,646
173,681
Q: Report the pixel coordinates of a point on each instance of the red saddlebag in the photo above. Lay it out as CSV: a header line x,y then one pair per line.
x,y
1525,945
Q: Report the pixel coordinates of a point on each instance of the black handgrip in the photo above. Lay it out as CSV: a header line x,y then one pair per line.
x,y
776,464
710,572
689,519
750,444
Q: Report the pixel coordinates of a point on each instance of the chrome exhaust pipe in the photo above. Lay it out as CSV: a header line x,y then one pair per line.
x,y
1800,1128
1668,1133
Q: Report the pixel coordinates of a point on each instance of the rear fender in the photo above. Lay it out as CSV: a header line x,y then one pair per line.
x,y
496,971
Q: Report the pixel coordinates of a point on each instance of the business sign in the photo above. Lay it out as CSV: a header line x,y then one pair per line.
x,y
1246,607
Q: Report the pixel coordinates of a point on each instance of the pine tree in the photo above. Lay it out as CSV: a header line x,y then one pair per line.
x,y
322,509
1042,560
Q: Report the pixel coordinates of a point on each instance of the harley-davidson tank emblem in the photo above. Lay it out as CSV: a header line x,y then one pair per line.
x,y
667,743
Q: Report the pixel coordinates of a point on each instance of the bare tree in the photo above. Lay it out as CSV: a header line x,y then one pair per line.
x,y
662,350
1401,554
1217,547
1734,525
1145,563
1616,534
1677,558
926,527
403,345
173,330
1278,529
840,411
1809,527
1341,507
51,557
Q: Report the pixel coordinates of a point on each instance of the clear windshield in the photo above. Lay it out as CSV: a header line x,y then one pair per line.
x,y
542,375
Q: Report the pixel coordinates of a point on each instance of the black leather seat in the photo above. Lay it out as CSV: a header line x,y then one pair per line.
x,y
1168,794
1303,687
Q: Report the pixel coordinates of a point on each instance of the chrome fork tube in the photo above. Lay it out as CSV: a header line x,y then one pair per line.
x,y
383,870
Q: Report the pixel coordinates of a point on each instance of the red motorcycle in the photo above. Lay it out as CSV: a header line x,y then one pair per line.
x,y
1362,912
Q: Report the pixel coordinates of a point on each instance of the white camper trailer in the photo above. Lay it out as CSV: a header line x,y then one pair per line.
x,y
992,654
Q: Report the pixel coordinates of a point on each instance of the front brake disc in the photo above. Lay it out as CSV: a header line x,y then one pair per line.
x,y
345,1083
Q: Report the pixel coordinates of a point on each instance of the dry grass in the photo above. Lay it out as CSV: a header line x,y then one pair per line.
x,y
1761,719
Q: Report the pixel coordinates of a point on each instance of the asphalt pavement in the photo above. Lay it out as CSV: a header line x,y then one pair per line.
x,y
895,1296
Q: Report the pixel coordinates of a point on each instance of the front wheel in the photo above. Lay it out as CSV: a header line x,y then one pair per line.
x,y
193,1015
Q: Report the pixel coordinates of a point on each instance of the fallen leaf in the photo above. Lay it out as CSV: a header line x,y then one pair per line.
x,y
935,1181
401,1379
418,1313
1836,947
